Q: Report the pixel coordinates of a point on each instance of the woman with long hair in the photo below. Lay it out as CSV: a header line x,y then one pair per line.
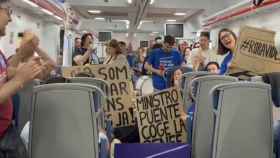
x,y
114,53
182,48
176,78
226,46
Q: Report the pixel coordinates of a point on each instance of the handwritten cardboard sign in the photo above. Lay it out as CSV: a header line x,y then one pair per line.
x,y
256,51
119,106
158,117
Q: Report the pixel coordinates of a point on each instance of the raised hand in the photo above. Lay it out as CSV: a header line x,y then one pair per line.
x,y
29,44
47,67
28,71
90,48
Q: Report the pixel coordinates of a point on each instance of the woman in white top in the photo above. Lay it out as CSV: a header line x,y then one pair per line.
x,y
115,54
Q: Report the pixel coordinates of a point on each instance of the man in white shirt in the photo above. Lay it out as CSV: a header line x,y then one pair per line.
x,y
202,56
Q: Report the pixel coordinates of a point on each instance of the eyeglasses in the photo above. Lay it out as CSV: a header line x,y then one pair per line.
x,y
227,35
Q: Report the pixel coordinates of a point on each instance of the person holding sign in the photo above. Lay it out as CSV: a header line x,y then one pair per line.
x,y
115,53
126,134
86,54
256,52
227,43
158,117
162,60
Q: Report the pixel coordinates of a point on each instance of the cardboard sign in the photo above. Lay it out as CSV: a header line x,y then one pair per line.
x,y
158,117
256,51
119,105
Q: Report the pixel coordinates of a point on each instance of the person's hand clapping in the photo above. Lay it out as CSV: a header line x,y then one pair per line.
x,y
183,116
47,67
160,72
29,44
90,48
28,71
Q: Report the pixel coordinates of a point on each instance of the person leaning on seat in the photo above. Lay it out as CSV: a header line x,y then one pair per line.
x,y
9,85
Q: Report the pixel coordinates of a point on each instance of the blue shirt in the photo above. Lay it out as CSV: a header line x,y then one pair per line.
x,y
132,60
169,60
183,57
226,63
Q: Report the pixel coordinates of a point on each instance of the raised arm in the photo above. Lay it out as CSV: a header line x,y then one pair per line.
x,y
45,57
25,73
82,59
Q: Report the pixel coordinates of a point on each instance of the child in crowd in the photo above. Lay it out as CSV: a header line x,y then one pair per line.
x,y
176,78
213,67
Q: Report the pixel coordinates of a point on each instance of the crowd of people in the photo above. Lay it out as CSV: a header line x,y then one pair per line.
x,y
165,61
163,58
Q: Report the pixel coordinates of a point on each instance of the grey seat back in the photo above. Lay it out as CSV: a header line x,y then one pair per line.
x,y
203,123
99,99
186,79
243,121
25,103
102,84
62,124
